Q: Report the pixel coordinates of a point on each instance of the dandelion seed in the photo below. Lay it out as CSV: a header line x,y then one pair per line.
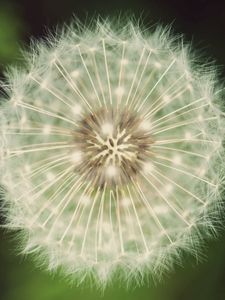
x,y
112,156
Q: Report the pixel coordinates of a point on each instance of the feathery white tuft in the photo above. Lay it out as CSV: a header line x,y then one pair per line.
x,y
112,156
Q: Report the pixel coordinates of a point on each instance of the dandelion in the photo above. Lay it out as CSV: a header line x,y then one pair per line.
x,y
112,155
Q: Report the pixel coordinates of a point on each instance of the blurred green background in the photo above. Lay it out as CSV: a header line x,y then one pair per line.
x,y
203,23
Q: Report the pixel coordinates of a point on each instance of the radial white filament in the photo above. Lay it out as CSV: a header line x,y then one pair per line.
x,y
112,156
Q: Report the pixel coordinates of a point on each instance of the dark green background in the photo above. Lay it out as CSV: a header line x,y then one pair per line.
x,y
203,23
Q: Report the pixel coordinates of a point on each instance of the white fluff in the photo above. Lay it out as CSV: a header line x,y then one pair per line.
x,y
142,229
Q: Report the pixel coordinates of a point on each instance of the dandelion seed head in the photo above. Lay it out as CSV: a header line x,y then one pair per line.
x,y
112,152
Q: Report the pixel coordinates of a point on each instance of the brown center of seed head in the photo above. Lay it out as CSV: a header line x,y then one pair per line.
x,y
113,145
